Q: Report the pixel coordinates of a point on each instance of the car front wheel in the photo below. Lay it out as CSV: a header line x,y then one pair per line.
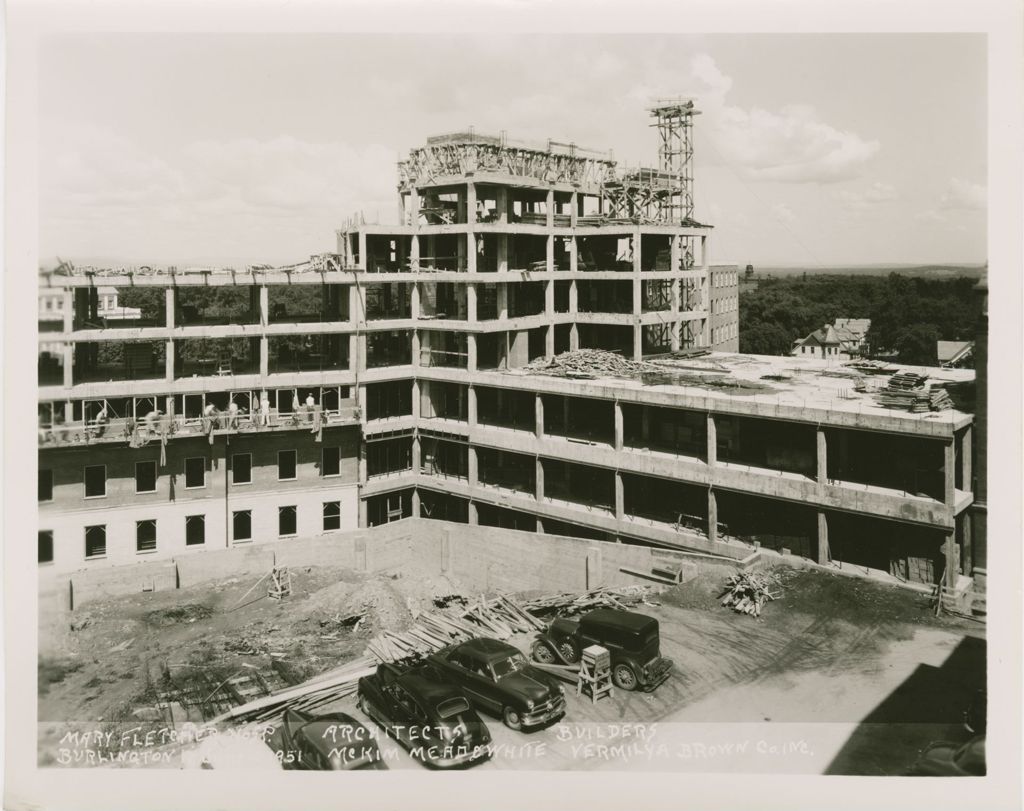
x,y
512,718
624,677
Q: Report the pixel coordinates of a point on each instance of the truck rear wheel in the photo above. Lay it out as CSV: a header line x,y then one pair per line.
x,y
543,653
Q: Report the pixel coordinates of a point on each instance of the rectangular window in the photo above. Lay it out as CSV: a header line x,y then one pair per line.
x,y
331,462
332,515
95,481
145,536
195,472
95,541
241,468
45,485
241,525
46,546
195,530
286,521
286,465
145,477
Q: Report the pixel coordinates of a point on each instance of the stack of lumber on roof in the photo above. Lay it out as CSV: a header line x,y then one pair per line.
x,y
908,391
498,617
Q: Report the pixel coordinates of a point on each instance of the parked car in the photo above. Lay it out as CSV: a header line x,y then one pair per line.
x,y
631,638
498,679
428,716
334,742
943,759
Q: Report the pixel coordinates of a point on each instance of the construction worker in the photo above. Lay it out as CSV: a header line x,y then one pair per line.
x,y
232,414
101,421
152,419
265,410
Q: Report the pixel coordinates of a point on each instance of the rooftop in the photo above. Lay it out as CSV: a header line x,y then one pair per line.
x,y
810,384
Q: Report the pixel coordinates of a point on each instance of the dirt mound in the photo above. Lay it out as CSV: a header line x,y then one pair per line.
x,y
386,609
190,612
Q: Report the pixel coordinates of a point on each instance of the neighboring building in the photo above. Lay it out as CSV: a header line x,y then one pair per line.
x,y
843,340
954,354
412,347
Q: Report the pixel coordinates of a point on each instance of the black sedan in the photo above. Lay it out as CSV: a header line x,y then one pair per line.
x,y
498,679
333,742
428,716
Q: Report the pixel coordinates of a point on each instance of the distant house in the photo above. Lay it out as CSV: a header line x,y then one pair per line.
x,y
843,340
954,354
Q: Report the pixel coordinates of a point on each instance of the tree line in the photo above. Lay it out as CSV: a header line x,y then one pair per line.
x,y
908,314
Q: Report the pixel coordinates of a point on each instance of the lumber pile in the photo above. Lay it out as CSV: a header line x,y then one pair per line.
x,y
908,391
589,363
568,603
747,592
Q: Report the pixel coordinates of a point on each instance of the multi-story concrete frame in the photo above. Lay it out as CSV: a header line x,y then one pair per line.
x,y
412,350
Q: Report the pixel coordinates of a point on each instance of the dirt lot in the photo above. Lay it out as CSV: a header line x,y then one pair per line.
x,y
840,675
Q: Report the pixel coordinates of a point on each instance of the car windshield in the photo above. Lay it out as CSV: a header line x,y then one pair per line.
x,y
513,664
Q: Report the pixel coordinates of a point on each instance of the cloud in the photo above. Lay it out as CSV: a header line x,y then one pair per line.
x,y
790,145
273,200
962,195
864,200
783,213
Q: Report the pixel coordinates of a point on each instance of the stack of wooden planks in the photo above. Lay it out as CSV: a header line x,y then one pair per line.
x,y
590,363
568,603
908,391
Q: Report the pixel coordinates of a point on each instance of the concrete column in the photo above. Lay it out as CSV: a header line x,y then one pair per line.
x,y
501,201
415,455
620,497
169,298
471,409
574,337
68,311
472,516
362,523
675,336
966,543
549,298
823,550
414,301
952,559
413,208
264,305
415,503
414,351
471,252
501,289
645,424
362,252
471,303
539,415
471,360
549,342
619,431
949,471
502,253
966,459
574,204
574,297
573,255
169,360
471,203
69,366
712,516
540,479
471,469
712,441
822,457
549,205
416,403
638,342
353,351
414,253
675,253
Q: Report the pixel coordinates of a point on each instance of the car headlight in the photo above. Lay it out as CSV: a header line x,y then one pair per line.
x,y
529,703
561,690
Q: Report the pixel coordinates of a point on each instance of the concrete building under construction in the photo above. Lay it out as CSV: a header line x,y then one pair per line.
x,y
409,374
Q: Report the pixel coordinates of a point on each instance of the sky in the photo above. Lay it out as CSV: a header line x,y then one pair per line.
x,y
811,150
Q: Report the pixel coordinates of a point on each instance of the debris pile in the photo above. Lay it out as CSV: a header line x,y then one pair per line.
x,y
908,391
590,364
747,592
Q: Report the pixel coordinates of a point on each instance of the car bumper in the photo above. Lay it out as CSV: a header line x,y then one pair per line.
x,y
542,715
655,673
